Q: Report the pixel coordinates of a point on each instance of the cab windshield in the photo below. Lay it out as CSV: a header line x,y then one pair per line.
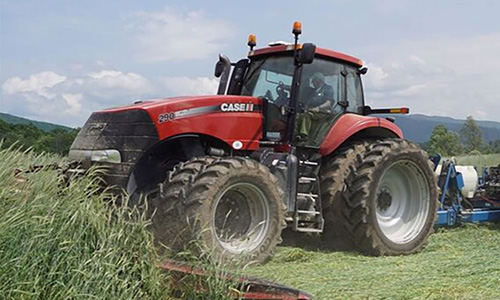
x,y
271,78
328,89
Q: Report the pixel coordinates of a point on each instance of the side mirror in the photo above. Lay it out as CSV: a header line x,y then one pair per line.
x,y
307,52
363,71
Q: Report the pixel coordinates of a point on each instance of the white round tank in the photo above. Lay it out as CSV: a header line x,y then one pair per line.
x,y
470,180
469,174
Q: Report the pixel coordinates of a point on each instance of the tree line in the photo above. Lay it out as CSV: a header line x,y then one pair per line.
x,y
469,140
25,136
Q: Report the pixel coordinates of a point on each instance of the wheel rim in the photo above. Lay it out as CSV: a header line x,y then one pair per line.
x,y
402,202
240,219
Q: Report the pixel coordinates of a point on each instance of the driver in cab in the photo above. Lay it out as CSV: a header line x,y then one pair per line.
x,y
318,102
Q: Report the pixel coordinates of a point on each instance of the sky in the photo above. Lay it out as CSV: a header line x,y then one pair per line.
x,y
60,60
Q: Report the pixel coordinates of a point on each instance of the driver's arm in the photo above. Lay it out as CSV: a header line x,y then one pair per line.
x,y
326,105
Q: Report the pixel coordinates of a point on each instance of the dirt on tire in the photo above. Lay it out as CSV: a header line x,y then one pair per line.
x,y
334,171
352,209
204,198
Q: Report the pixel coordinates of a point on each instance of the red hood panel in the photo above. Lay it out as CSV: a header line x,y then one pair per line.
x,y
232,119
184,102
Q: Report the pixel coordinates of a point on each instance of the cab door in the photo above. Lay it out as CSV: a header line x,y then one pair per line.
x,y
320,105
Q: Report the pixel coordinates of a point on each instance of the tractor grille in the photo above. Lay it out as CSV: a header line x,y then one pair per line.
x,y
130,132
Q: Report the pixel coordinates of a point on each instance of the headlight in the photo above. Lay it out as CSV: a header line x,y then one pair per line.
x,y
107,155
110,155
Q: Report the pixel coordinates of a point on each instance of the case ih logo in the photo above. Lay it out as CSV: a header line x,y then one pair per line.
x,y
236,106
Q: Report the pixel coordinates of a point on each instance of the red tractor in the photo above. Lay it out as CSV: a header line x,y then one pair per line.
x,y
286,142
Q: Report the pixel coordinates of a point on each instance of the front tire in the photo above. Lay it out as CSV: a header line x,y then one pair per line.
x,y
232,207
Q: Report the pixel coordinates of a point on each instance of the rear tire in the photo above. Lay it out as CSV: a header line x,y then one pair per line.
x,y
232,208
335,169
389,205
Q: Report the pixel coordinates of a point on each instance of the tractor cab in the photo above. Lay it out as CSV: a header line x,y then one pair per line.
x,y
328,88
326,83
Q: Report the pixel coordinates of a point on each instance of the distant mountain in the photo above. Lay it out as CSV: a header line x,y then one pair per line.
x,y
41,125
418,128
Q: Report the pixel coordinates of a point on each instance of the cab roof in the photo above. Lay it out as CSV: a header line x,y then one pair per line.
x,y
319,51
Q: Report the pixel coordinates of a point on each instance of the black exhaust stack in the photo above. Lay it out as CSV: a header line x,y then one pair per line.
x,y
222,69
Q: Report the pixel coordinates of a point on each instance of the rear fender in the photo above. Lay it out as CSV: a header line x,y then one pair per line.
x,y
351,126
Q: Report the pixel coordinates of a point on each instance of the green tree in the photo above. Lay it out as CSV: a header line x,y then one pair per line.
x,y
24,134
495,146
28,135
56,141
471,135
444,142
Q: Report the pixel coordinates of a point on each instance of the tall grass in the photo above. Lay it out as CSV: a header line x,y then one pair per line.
x,y
66,243
217,283
71,242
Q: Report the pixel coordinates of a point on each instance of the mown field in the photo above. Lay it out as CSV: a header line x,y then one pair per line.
x,y
67,243
459,263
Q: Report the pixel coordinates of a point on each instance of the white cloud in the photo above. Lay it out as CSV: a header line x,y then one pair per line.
x,y
437,76
376,76
190,86
50,97
74,103
111,79
35,83
169,35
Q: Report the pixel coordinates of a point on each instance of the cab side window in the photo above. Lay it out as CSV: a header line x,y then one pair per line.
x,y
354,91
329,73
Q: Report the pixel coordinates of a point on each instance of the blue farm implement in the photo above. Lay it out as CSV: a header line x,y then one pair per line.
x,y
465,196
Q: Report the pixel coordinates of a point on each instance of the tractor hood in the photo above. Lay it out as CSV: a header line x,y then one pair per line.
x,y
159,106
228,118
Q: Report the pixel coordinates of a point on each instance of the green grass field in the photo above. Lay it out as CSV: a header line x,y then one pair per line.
x,y
459,263
67,243
479,161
